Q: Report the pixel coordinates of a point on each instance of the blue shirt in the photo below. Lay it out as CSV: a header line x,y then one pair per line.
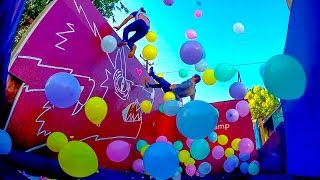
x,y
185,89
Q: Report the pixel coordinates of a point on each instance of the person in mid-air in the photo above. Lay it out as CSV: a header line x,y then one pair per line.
x,y
185,89
141,26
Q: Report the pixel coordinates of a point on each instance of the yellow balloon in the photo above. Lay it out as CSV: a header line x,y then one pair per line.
x,y
146,106
235,144
96,110
189,161
184,155
78,159
149,52
56,141
208,77
222,139
228,152
169,96
143,149
151,36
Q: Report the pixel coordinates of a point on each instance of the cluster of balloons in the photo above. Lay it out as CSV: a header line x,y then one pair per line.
x,y
150,52
96,110
5,142
108,44
118,151
76,158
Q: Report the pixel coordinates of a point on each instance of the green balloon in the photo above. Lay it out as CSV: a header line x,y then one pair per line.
x,y
224,72
284,77
199,149
161,108
178,145
183,73
140,144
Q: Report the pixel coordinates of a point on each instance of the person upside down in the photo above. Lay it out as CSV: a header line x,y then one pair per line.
x,y
185,89
141,26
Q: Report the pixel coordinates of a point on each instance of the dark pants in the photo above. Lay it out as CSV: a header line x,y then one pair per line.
x,y
141,29
165,85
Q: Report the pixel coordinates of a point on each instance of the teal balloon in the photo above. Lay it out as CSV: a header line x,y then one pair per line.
x,y
284,77
213,137
183,73
224,72
140,144
178,145
253,169
179,169
161,108
199,149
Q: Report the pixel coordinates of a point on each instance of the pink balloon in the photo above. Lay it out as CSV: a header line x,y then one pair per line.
x,y
243,108
118,150
197,173
138,165
198,13
191,34
191,170
218,152
246,146
189,141
169,143
161,139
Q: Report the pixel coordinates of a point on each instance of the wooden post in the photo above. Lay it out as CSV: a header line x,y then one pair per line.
x,y
147,62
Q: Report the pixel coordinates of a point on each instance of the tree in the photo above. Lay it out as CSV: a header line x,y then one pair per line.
x,y
261,102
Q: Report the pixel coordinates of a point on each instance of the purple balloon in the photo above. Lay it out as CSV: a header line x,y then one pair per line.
x,y
238,90
246,146
138,165
218,152
118,150
168,2
243,108
191,52
232,115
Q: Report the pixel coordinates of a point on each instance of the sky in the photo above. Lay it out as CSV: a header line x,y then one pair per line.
x,y
265,22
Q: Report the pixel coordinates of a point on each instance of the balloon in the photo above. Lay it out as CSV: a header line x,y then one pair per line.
x,y
204,168
238,90
284,77
189,161
246,146
96,110
149,52
197,173
201,66
197,119
224,72
238,28
261,70
191,170
5,143
228,152
191,52
228,166
217,152
189,141
178,145
243,108
235,144
199,149
234,159
179,169
62,90
151,36
191,34
244,167
161,160
146,106
56,141
143,149
198,13
208,77
244,156
118,150
161,139
184,155
213,137
255,161
161,75
78,159
176,176
222,139
232,115
183,73
253,169
169,142
138,165
171,107
140,144
168,2
108,44
169,96
161,108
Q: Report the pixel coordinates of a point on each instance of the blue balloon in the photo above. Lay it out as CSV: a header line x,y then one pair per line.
x,y
213,137
244,156
5,142
204,168
62,90
253,169
261,70
197,119
201,66
161,160
228,166
244,167
171,107
199,149
140,144
179,169
234,159
178,145
177,176
284,77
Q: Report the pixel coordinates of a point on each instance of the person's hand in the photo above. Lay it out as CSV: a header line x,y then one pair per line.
x,y
117,28
173,86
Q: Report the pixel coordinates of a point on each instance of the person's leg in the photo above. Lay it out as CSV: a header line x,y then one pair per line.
x,y
165,85
153,85
141,30
131,27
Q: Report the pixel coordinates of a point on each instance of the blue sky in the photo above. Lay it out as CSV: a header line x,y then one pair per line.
x,y
265,24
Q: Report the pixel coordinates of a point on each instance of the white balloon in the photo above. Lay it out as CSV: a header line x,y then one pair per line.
x,y
238,28
108,44
201,66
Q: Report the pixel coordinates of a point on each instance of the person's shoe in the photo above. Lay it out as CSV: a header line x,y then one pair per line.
x,y
122,43
151,72
132,52
146,84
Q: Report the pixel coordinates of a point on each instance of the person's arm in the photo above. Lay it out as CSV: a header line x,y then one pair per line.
x,y
184,85
125,21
